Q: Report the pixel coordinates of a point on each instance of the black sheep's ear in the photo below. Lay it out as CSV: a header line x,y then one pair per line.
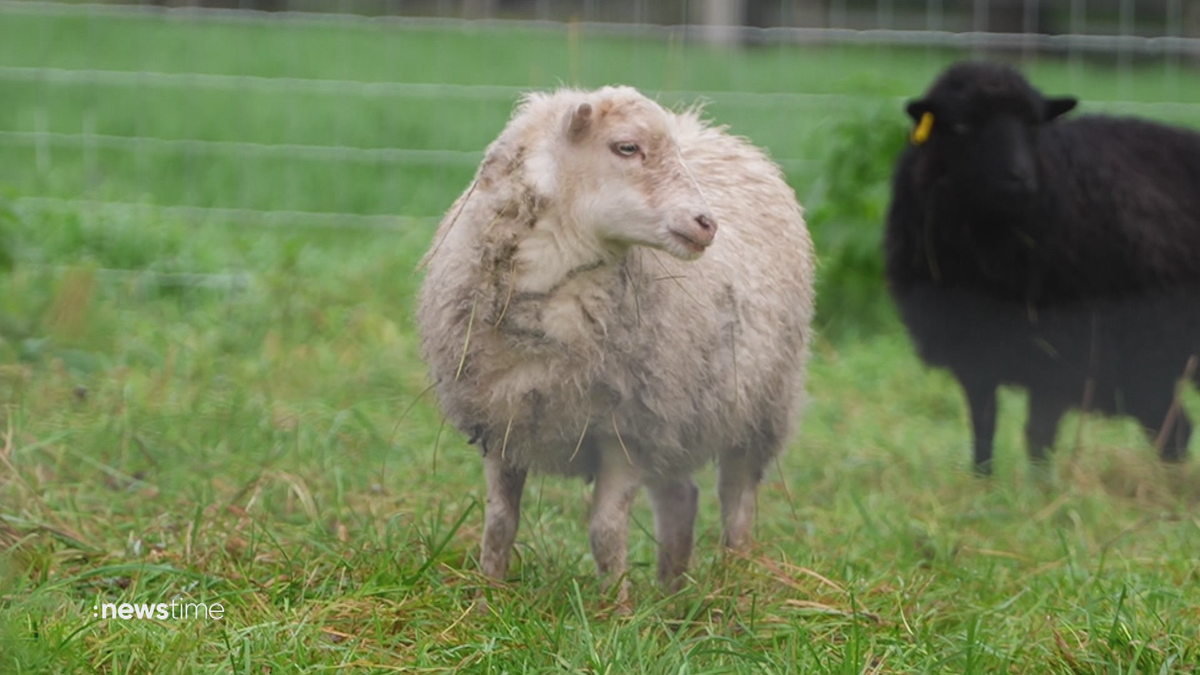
x,y
1054,107
916,109
921,113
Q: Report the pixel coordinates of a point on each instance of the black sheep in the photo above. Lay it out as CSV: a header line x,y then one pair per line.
x,y
1058,255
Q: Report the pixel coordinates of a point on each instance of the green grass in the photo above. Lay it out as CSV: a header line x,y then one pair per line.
x,y
263,443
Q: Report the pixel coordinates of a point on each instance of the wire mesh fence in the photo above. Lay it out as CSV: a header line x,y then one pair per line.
x,y
374,114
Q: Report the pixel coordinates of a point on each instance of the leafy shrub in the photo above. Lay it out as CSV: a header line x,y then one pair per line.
x,y
9,222
850,204
44,312
8,227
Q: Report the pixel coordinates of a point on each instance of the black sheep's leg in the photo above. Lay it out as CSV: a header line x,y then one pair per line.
x,y
1175,445
981,398
1184,430
1178,451
1155,415
1183,434
1045,412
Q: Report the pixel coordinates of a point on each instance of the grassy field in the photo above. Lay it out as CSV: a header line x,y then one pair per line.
x,y
256,437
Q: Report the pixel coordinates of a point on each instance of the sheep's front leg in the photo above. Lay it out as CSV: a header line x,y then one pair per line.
x,y
617,483
981,399
674,502
737,486
502,514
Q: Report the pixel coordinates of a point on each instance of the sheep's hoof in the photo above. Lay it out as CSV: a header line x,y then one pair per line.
x,y
481,605
621,606
620,603
1042,474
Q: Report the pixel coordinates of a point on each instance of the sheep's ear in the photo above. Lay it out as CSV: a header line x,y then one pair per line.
x,y
917,109
1053,107
923,116
580,123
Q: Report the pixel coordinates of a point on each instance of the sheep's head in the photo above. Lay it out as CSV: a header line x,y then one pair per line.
x,y
619,172
979,123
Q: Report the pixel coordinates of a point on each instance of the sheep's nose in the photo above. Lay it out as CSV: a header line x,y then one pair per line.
x,y
707,224
1018,181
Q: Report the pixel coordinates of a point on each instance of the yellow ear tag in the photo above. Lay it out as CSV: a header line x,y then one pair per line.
x,y
921,133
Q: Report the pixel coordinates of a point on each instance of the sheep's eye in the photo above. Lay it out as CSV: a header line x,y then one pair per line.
x,y
961,129
625,149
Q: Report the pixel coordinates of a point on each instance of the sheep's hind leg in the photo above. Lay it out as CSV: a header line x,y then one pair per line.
x,y
1156,416
1178,451
1175,445
617,483
674,502
737,486
1159,414
502,515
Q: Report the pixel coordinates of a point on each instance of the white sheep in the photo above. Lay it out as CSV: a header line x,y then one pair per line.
x,y
562,339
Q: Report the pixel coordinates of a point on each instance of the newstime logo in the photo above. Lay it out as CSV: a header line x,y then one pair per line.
x,y
161,610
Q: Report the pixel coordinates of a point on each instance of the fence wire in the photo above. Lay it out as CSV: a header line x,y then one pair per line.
x,y
44,136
